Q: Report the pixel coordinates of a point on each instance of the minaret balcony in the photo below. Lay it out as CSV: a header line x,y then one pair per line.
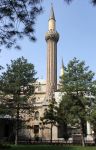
x,y
52,35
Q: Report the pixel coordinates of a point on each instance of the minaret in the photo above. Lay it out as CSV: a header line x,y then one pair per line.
x,y
52,38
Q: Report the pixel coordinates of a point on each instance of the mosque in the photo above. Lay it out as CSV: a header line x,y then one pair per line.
x,y
45,90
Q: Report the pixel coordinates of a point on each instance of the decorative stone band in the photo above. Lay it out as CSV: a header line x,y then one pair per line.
x,y
52,35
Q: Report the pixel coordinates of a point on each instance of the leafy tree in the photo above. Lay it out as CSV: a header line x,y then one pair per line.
x,y
17,85
92,1
76,83
17,20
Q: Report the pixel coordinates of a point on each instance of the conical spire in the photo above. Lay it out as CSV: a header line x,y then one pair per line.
x,y
62,63
62,69
52,16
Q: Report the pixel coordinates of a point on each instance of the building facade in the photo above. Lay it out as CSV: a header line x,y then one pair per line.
x,y
45,90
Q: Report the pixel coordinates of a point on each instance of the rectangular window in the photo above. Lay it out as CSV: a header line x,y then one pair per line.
x,y
36,129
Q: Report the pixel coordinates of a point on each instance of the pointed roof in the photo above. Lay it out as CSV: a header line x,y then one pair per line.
x,y
52,16
62,63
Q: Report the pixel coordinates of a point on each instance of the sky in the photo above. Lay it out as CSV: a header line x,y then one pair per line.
x,y
76,24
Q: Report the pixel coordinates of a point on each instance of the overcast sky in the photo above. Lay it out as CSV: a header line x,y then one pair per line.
x,y
76,24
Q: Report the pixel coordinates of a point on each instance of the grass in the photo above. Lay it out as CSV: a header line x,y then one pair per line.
x,y
50,147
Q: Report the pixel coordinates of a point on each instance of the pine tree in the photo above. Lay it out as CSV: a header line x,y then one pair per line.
x,y
76,83
17,20
17,85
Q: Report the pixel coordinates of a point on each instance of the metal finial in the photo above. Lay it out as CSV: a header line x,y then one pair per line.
x,y
52,16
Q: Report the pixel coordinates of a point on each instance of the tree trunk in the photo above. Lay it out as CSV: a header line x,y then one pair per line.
x,y
65,135
51,130
17,125
82,135
16,137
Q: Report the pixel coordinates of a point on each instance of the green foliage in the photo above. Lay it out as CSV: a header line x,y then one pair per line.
x,y
77,77
18,78
93,118
17,85
50,116
64,115
76,85
17,19
77,82
64,112
50,113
